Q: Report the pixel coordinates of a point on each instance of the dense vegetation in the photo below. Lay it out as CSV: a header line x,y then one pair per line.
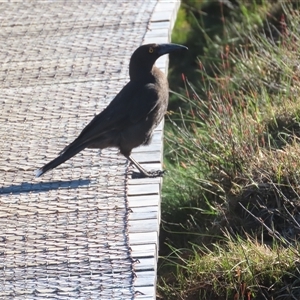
x,y
231,201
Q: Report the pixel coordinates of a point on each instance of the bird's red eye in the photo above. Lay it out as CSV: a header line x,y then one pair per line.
x,y
151,50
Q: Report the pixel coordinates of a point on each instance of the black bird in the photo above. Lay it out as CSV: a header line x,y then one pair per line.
x,y
129,120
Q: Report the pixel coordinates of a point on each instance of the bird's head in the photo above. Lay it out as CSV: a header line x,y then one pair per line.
x,y
144,57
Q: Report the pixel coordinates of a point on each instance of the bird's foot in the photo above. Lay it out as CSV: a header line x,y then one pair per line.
x,y
148,174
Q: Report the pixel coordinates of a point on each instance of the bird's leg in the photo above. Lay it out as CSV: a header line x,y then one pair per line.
x,y
145,173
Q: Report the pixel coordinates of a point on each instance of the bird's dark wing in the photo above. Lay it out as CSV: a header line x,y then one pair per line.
x,y
143,103
131,105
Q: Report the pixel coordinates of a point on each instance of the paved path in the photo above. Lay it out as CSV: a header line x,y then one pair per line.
x,y
84,230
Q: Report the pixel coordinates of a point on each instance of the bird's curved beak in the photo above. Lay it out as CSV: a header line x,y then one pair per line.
x,y
168,48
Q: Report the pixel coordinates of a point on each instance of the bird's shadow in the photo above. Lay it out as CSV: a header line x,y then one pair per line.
x,y
26,187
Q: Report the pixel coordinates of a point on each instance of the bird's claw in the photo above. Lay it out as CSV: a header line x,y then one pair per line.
x,y
148,174
157,173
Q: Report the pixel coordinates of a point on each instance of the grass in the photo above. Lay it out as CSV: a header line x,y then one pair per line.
x,y
233,270
231,207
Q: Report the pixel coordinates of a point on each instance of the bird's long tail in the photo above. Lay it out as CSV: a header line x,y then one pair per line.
x,y
66,154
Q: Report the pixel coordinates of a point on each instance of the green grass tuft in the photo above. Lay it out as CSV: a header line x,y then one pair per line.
x,y
230,211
